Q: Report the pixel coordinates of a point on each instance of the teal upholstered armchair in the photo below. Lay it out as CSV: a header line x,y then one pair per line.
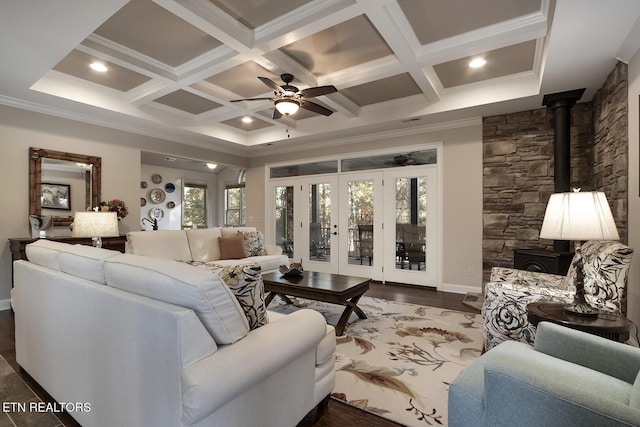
x,y
569,378
506,295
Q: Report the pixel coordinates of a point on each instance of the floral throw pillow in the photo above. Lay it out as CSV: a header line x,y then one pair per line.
x,y
254,243
245,281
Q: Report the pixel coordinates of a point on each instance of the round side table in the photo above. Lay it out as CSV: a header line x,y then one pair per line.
x,y
608,325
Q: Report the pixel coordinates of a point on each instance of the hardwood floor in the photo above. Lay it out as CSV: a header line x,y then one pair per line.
x,y
336,414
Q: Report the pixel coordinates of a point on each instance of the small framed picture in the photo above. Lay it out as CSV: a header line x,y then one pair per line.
x,y
55,196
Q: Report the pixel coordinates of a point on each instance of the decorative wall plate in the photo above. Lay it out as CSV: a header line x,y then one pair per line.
x,y
143,184
156,213
157,195
171,205
170,188
143,201
156,178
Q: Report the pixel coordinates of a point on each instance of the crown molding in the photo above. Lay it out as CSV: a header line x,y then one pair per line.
x,y
367,137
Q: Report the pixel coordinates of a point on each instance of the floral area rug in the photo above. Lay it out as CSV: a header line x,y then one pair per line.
x,y
398,362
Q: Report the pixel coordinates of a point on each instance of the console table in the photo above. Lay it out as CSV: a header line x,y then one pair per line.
x,y
17,245
609,325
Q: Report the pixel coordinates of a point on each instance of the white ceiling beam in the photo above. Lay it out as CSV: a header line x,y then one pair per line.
x,y
392,25
513,31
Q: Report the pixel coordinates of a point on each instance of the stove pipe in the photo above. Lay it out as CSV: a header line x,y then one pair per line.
x,y
561,104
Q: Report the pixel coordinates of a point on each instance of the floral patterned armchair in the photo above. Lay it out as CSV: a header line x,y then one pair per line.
x,y
504,311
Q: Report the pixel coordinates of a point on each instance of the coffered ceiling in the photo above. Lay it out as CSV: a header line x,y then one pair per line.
x,y
173,66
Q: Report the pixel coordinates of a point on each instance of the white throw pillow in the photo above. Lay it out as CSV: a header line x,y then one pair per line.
x,y
168,244
203,243
181,284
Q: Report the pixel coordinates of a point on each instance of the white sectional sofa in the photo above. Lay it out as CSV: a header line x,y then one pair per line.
x,y
145,341
200,245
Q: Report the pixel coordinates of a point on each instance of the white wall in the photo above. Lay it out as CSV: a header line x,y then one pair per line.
x,y
462,192
633,295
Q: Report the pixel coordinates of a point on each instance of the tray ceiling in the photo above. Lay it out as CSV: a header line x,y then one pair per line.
x,y
175,65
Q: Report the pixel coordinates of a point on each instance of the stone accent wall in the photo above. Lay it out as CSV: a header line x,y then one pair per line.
x,y
518,168
610,157
518,178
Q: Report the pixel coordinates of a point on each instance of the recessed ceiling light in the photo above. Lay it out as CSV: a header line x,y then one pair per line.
x,y
477,63
212,166
98,66
247,119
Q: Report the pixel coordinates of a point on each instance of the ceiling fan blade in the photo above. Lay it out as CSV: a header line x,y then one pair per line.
x,y
276,114
312,106
273,85
318,91
252,99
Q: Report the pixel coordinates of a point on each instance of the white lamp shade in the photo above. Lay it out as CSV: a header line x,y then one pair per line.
x,y
578,216
95,224
286,106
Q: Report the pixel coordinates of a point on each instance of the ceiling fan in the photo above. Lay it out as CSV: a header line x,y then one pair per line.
x,y
289,98
402,160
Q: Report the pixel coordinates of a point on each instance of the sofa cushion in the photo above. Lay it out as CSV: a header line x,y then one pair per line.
x,y
167,244
86,262
254,243
232,247
78,260
270,262
181,284
45,253
245,281
203,243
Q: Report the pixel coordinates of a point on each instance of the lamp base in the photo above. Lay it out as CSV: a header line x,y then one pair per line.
x,y
579,306
97,241
581,309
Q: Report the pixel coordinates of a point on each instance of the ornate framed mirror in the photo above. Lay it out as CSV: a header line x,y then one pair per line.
x,y
42,161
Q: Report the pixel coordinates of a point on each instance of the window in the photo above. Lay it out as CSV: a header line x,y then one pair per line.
x,y
234,204
194,206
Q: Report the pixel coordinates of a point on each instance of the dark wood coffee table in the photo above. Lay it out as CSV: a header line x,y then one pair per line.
x,y
609,325
331,288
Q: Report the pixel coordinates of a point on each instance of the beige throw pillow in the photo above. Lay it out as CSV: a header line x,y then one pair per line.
x,y
232,247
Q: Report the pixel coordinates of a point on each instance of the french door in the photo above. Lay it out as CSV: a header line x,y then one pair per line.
x,y
318,206
382,224
412,231
361,225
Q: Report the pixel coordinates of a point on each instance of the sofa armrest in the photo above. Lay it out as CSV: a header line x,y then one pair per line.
x,y
273,249
616,359
532,278
524,387
215,380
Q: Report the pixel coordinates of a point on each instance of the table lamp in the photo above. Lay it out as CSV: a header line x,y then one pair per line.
x,y
579,216
95,225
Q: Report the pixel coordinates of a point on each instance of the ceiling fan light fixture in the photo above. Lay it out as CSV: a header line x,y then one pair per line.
x,y
287,106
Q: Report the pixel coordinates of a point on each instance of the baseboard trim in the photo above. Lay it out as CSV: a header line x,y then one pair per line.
x,y
5,304
460,289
